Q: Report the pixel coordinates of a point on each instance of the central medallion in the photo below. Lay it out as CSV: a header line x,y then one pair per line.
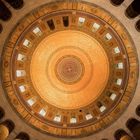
x,y
69,69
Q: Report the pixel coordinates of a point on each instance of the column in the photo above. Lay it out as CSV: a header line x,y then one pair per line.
x,y
4,132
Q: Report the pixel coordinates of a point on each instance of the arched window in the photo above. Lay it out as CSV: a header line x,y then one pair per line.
x,y
117,2
9,124
1,28
22,136
133,9
66,21
5,13
6,128
138,29
51,24
132,123
121,134
134,126
16,4
1,113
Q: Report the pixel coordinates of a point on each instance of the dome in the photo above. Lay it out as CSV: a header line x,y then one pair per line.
x,y
69,70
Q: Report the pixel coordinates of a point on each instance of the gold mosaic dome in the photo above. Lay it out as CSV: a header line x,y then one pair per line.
x,y
69,69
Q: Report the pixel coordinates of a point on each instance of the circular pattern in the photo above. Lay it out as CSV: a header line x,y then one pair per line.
x,y
62,93
75,69
69,69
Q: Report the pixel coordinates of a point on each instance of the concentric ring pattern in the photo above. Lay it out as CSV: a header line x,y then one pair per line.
x,y
69,69
68,73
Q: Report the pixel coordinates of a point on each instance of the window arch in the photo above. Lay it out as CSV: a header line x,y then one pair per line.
x,y
133,9
16,4
9,124
120,134
2,113
134,126
138,25
117,2
5,13
132,123
1,28
23,136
